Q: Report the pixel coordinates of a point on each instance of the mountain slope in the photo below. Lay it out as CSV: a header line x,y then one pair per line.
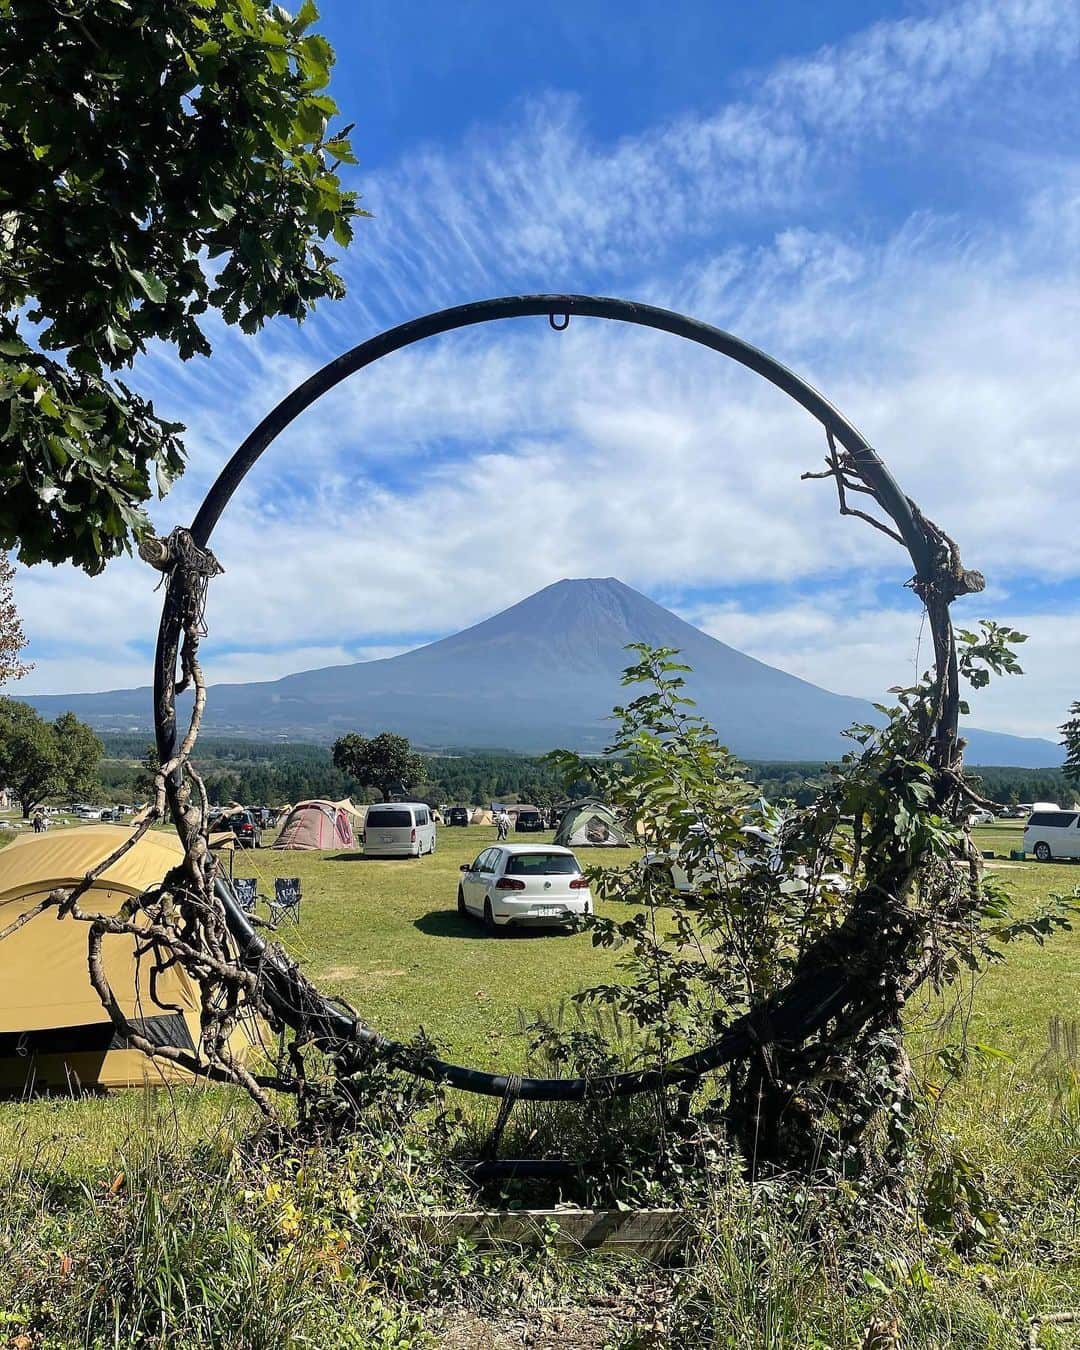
x,y
544,672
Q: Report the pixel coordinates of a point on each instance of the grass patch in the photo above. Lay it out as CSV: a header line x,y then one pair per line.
x,y
385,934
201,1242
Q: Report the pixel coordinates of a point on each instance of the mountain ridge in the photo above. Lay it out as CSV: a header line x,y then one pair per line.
x,y
541,673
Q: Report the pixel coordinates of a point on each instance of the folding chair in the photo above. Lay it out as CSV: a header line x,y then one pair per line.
x,y
286,901
244,890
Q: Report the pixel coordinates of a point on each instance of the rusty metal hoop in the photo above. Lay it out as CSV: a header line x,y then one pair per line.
x,y
288,994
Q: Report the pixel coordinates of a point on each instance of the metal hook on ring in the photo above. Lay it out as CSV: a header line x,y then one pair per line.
x,y
559,327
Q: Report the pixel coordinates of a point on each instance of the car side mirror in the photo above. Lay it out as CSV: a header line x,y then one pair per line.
x,y
465,867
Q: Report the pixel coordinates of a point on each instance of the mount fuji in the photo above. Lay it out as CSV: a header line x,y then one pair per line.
x,y
543,673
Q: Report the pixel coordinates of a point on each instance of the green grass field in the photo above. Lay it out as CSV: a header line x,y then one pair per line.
x,y
386,936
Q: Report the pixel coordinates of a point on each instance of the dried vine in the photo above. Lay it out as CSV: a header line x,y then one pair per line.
x,y
802,1052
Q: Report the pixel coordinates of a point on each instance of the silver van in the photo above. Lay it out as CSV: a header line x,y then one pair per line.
x,y
398,830
1053,834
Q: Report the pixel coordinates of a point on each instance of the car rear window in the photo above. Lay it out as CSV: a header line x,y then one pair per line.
x,y
541,865
1053,820
383,819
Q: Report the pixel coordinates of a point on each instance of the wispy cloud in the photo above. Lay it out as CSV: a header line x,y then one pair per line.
x,y
454,479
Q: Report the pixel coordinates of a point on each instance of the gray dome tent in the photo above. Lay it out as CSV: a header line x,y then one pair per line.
x,y
590,824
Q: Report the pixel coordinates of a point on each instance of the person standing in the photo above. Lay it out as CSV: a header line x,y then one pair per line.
x,y
39,823
502,824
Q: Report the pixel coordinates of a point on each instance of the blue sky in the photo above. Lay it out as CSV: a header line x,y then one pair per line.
x,y
886,197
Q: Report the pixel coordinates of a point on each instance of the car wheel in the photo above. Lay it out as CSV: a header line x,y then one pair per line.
x,y
1042,852
489,918
461,906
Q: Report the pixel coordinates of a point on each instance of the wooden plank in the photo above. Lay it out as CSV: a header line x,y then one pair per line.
x,y
651,1233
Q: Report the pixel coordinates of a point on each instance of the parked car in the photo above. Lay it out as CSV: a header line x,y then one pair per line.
x,y
981,818
399,830
457,815
759,844
1053,834
529,820
245,829
672,860
524,886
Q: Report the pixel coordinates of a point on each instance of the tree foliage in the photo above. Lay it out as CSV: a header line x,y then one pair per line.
x,y
40,759
386,762
12,637
849,905
1070,739
157,162
263,772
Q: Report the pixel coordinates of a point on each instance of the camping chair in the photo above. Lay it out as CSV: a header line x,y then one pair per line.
x,y
244,890
286,901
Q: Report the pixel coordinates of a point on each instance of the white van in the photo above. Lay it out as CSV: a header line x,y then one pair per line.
x,y
398,830
1052,834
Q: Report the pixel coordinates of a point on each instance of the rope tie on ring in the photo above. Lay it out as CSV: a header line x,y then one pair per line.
x,y
509,1097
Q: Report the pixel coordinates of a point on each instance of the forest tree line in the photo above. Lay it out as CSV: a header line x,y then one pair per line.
x,y
258,772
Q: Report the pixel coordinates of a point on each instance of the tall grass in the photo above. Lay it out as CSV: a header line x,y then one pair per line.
x,y
187,1229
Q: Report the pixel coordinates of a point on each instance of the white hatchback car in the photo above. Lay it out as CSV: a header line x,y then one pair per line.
x,y
524,886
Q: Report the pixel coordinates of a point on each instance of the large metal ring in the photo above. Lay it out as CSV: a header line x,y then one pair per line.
x,y
291,998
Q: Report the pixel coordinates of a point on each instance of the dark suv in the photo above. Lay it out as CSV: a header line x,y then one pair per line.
x,y
457,815
242,824
529,820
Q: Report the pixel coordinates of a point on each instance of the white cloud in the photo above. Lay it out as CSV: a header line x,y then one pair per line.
x,y
543,200
613,451
863,651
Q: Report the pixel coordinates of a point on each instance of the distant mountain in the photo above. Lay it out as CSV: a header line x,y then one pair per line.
x,y
542,673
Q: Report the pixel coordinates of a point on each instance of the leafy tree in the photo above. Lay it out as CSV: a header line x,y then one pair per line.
x,y
1070,739
157,161
144,782
873,887
12,637
40,759
78,751
386,762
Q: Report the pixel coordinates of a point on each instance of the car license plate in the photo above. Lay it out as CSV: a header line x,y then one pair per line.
x,y
548,911
387,838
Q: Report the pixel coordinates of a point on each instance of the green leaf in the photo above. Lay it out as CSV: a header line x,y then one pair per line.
x,y
164,476
306,17
992,1052
82,358
152,286
14,347
310,119
341,149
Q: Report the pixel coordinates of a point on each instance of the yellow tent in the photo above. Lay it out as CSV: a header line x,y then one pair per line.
x,y
54,1033
482,816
